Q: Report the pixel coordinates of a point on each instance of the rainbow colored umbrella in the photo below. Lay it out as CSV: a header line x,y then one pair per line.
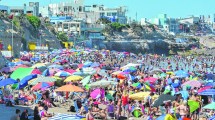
x,y
192,83
204,88
42,85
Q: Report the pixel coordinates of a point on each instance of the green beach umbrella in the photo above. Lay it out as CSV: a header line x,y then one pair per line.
x,y
163,75
194,105
109,96
41,79
210,106
87,87
85,80
20,73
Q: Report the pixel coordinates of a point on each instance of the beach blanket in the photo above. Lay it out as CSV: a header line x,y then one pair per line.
x,y
66,117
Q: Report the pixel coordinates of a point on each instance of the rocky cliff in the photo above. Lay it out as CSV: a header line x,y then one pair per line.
x,y
23,33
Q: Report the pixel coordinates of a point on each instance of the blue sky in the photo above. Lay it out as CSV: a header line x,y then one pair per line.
x,y
145,8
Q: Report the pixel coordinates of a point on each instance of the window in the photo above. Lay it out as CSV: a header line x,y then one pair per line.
x,y
113,14
108,14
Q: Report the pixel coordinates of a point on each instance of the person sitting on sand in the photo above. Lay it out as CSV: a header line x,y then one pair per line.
x,y
43,113
89,115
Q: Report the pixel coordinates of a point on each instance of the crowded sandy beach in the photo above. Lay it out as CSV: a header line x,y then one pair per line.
x,y
89,84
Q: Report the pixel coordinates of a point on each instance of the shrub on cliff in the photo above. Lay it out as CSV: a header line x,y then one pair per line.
x,y
35,21
62,36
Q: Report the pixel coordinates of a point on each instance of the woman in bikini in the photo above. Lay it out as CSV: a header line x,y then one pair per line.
x,y
89,115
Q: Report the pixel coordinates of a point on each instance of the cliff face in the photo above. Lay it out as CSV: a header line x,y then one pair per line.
x,y
23,33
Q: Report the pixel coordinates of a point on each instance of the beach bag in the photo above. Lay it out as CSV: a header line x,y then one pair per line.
x,y
72,109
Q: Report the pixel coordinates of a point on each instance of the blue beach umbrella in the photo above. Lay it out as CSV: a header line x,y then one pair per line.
x,y
7,81
181,73
24,81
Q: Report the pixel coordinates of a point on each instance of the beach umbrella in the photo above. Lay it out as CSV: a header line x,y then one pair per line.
x,y
86,80
20,66
73,78
41,79
210,106
210,84
152,80
89,70
130,65
95,64
36,71
7,81
27,63
184,94
42,68
107,68
120,76
53,71
170,73
46,73
20,73
162,75
181,73
69,88
79,73
56,66
156,71
7,69
208,92
62,74
137,85
102,83
24,81
162,98
42,85
210,76
97,93
192,84
139,95
71,71
193,105
130,69
212,118
87,64
38,65
204,88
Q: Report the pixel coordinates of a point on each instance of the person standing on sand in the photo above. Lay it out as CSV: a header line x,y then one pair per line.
x,y
16,116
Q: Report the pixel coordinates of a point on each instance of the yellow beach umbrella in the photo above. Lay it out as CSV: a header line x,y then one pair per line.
x,y
141,96
73,78
170,73
57,78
